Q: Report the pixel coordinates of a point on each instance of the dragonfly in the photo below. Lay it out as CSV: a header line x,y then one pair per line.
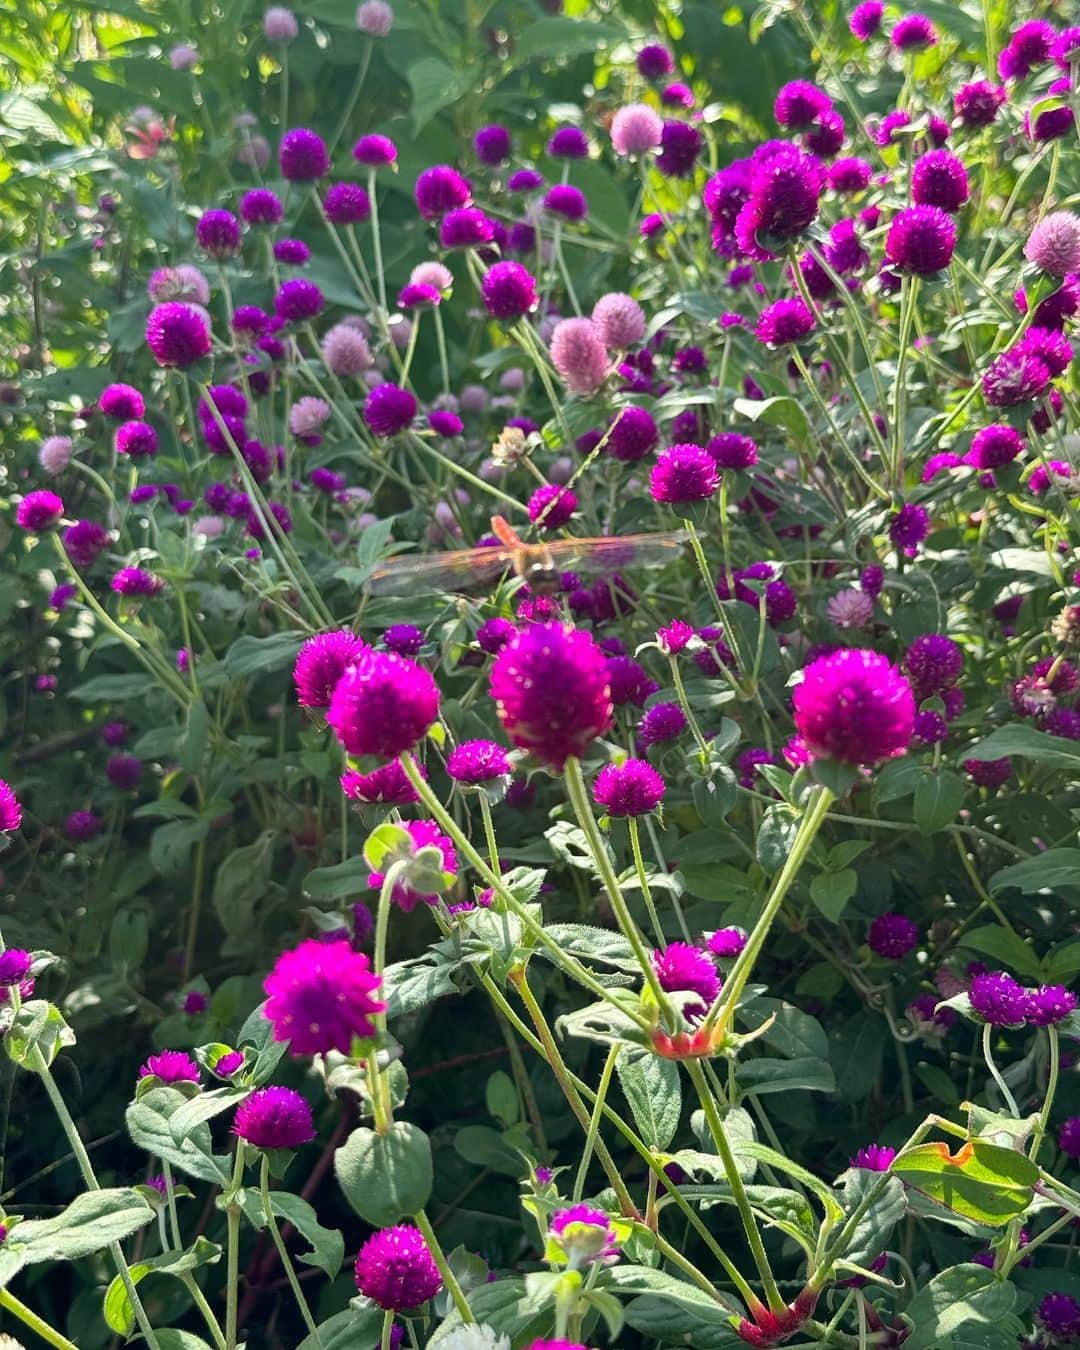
x,y
541,565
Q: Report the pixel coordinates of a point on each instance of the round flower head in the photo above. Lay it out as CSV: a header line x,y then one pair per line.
x,y
579,355
124,772
874,1158
441,189
1055,122
177,334
933,663
509,291
998,999
10,810
171,1066
1069,1137
183,57
913,33
184,283
279,24
567,201
826,136
636,129
375,18
584,1233
1015,377
568,143
731,450
1054,243
389,409
321,662
681,968
989,773
909,526
662,722
633,434
849,175
1029,46
783,200
297,300
39,511
654,62
260,206
1050,1004
435,274
921,240
346,204
525,180
619,320
446,423
14,966
632,788
321,996
552,693
345,350
680,146
1059,1317
476,762
218,233
382,705
893,936
291,252
396,1270
854,706
121,402
466,227
799,103
551,506
55,454
85,541
302,156
940,179
492,145
493,635
784,322
375,151
683,473
308,416
403,639
137,439
978,104
850,609
865,19
274,1117
727,942
82,825
387,785
994,446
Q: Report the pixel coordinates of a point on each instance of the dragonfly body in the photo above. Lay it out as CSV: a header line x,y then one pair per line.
x,y
541,566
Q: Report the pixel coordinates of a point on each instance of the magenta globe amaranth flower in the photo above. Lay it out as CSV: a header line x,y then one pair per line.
x,y
1069,1137
124,772
465,227
375,151
382,705
866,19
1030,46
682,968
39,511
854,706
998,999
15,965
171,1066
552,691
585,1234
396,1270
933,663
177,334
136,439
921,240
892,936
346,204
218,233
260,206
121,403
782,201
509,291
680,145
298,299
441,189
579,355
568,143
633,788
683,473
321,662
874,1158
799,103
389,409
424,834
977,104
302,156
10,810
552,506
655,61
321,996
274,1117
85,541
994,446
477,762
1050,1004
633,435
913,32
727,942
1015,377
567,201
940,179
909,526
291,252
492,145
784,322
1059,1316
662,722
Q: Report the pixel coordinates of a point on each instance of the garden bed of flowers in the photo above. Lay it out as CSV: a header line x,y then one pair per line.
x,y
541,651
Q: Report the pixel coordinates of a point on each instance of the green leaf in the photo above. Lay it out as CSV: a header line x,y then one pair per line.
x,y
653,1092
855,1049
435,85
1045,872
129,938
113,688
1022,739
761,1076
261,655
194,742
561,38
938,797
385,1176
964,1308
485,1147
779,826
149,1124
37,1026
783,412
386,845
896,780
357,1328
830,891
714,797
501,1098
327,1244
119,1313
791,1032
1006,946
343,881
169,1338
981,1181
644,1280
241,882
204,1107
872,1232
593,944
89,1224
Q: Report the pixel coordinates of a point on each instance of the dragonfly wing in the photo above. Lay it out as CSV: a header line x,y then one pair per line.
x,y
607,555
458,571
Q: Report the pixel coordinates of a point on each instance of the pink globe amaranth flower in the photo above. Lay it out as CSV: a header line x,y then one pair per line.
x,y
39,511
308,416
977,104
177,334
375,151
552,692
632,788
137,439
136,581
892,936
994,446
913,32
184,283
183,57
389,409
584,1233
279,24
345,350
302,156
10,810
874,1158
441,189
682,968
1015,377
171,1066
850,609
636,129
321,662
124,772
662,722
799,103
551,506
509,291
396,1270
382,705
726,942
121,402
1054,243
218,233
476,762
940,179
375,18
619,319
579,355
909,526
424,834
274,1117
1029,46
54,454
1050,1004
784,322
387,785
921,240
346,204
683,473
1059,1316
321,997
854,706
998,999
865,19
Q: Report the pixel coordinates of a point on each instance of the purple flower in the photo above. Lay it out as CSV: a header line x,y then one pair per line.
x,y
321,996
850,609
552,693
683,473
121,402
865,19
1055,122
387,785
1069,1137
569,143
874,1158
783,200
746,765
476,762
994,446
291,252
1050,346
346,204
492,145
274,1117
321,662
14,962
446,423
731,450
136,581
137,439
509,291
1049,1004
441,189
195,1002
912,33
114,733
849,175
1059,1316
727,942
921,240
681,968
124,772
218,233
662,722
424,834
909,526
82,825
930,727
396,1270
826,136
1015,377
998,999
10,810
799,103
939,179
632,788
177,335
854,706
551,506
260,206
933,663
418,296
466,227
989,773
302,156
493,635
579,355
389,409
39,511
977,104
297,300
1029,46
375,151
893,936
784,322
567,201
584,1233
654,61
382,705
171,1066
633,435
326,480
680,146
403,639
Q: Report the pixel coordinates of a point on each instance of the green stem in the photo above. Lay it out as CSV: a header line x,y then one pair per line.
x,y
30,1319
354,94
594,1123
684,703
440,339
380,1093
643,880
232,1227
1051,1092
387,1330
908,291
376,241
995,1073
199,1299
489,830
283,1253
461,1303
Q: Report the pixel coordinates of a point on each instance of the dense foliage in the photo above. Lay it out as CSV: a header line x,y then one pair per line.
x,y
649,922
